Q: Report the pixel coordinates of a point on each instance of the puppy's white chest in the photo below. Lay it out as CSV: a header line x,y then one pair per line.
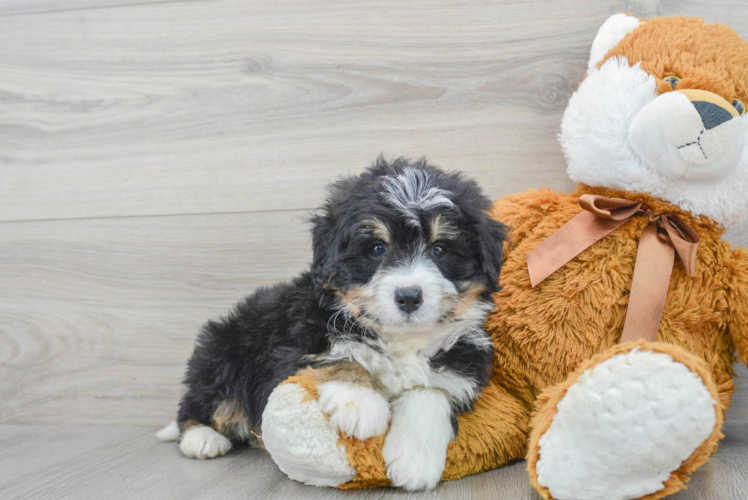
x,y
403,373
395,368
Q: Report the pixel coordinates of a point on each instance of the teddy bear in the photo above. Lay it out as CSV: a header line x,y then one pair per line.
x,y
622,308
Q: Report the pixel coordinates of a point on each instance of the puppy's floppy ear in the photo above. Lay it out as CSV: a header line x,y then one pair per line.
x,y
323,248
492,236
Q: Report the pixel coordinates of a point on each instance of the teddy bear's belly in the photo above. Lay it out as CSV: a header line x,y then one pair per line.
x,y
542,334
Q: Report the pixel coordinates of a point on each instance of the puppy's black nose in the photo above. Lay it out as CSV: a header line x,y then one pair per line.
x,y
409,298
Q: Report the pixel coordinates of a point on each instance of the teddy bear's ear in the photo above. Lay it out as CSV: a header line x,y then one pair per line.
x,y
611,32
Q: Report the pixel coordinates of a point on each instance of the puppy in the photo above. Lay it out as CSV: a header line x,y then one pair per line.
x,y
389,320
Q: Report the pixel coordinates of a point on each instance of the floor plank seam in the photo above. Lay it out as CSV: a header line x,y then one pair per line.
x,y
95,7
144,216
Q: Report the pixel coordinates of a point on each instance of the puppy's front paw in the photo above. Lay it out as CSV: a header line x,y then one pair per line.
x,y
203,442
410,465
358,411
415,448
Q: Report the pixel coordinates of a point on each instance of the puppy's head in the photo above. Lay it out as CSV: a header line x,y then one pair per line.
x,y
407,245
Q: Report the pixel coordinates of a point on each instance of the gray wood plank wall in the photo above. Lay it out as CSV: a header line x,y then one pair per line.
x,y
158,159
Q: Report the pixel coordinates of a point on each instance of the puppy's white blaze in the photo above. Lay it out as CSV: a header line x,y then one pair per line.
x,y
412,190
203,442
378,296
415,448
358,411
169,433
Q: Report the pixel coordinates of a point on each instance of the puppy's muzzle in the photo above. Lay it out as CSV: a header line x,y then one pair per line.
x,y
409,298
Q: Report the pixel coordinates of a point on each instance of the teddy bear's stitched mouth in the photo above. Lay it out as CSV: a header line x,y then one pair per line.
x,y
697,142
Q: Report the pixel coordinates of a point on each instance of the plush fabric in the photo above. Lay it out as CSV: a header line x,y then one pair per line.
x,y
612,483
562,337
540,338
625,128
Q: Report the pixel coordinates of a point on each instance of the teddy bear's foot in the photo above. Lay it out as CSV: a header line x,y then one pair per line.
x,y
301,440
629,423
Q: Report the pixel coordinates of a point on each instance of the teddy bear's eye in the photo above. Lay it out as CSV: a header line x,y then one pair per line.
x,y
739,106
672,80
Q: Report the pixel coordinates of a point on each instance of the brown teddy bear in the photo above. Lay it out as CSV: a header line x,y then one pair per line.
x,y
655,137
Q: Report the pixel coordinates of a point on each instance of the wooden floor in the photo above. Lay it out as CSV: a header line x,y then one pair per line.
x,y
158,160
114,462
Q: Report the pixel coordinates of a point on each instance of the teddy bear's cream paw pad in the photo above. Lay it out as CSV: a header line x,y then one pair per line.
x,y
302,441
358,411
624,427
203,442
415,448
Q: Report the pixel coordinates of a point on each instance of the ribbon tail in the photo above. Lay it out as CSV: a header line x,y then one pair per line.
x,y
649,287
685,240
570,240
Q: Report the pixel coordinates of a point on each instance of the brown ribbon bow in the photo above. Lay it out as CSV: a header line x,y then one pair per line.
x,y
665,235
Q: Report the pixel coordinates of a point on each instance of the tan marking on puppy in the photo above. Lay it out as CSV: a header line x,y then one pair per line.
x,y
188,424
379,229
229,419
466,300
442,230
342,371
227,413
350,298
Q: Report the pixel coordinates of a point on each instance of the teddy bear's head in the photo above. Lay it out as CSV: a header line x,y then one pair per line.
x,y
662,111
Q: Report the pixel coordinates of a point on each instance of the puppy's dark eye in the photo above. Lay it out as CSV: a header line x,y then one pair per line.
x,y
438,251
377,249
739,106
672,80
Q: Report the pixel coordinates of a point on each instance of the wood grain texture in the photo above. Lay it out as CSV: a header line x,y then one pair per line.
x,y
119,462
98,316
141,111
115,122
170,116
21,7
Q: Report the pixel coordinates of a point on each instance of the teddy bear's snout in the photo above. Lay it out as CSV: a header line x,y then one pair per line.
x,y
712,108
689,135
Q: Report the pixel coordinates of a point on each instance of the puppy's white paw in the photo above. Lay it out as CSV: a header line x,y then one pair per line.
x,y
415,448
358,411
203,442
169,433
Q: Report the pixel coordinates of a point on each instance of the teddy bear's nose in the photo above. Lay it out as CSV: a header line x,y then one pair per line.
x,y
711,114
713,109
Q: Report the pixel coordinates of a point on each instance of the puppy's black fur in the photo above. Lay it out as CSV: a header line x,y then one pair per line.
x,y
272,333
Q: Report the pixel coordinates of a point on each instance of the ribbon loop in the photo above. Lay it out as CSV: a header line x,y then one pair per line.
x,y
609,208
666,235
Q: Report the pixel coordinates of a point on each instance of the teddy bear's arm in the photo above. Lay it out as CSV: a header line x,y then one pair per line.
x,y
738,302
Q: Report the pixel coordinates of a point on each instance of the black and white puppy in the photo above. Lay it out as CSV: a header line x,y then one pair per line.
x,y
390,319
